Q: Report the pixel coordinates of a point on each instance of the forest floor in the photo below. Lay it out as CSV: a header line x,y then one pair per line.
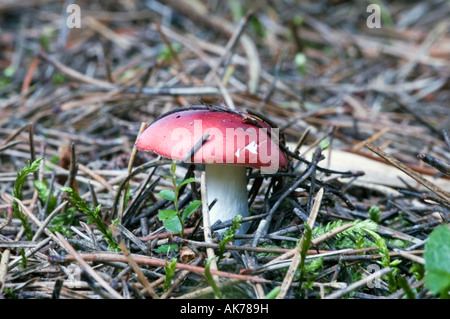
x,y
80,206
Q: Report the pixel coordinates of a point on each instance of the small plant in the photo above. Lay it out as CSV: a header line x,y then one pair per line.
x,y
228,235
403,283
323,144
58,78
45,40
418,271
386,259
166,54
342,240
8,76
305,246
62,221
17,193
24,260
170,273
44,193
174,220
9,71
375,214
311,268
94,217
300,62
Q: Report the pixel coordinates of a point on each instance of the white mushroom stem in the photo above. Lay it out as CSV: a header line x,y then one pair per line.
x,y
227,184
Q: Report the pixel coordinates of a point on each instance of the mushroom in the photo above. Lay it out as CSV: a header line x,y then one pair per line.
x,y
235,141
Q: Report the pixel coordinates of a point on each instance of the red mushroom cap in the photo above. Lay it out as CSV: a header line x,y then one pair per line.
x,y
234,138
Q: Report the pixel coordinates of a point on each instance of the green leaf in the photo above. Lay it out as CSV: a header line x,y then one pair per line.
x,y
186,181
395,263
324,144
166,213
273,293
418,271
305,246
43,194
298,19
375,214
167,194
437,260
9,71
210,279
300,60
24,261
173,224
190,208
173,168
166,248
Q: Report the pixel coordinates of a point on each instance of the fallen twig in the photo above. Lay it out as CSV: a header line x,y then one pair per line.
x,y
432,187
105,256
297,256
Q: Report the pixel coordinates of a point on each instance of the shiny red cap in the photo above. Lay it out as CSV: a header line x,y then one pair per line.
x,y
234,138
